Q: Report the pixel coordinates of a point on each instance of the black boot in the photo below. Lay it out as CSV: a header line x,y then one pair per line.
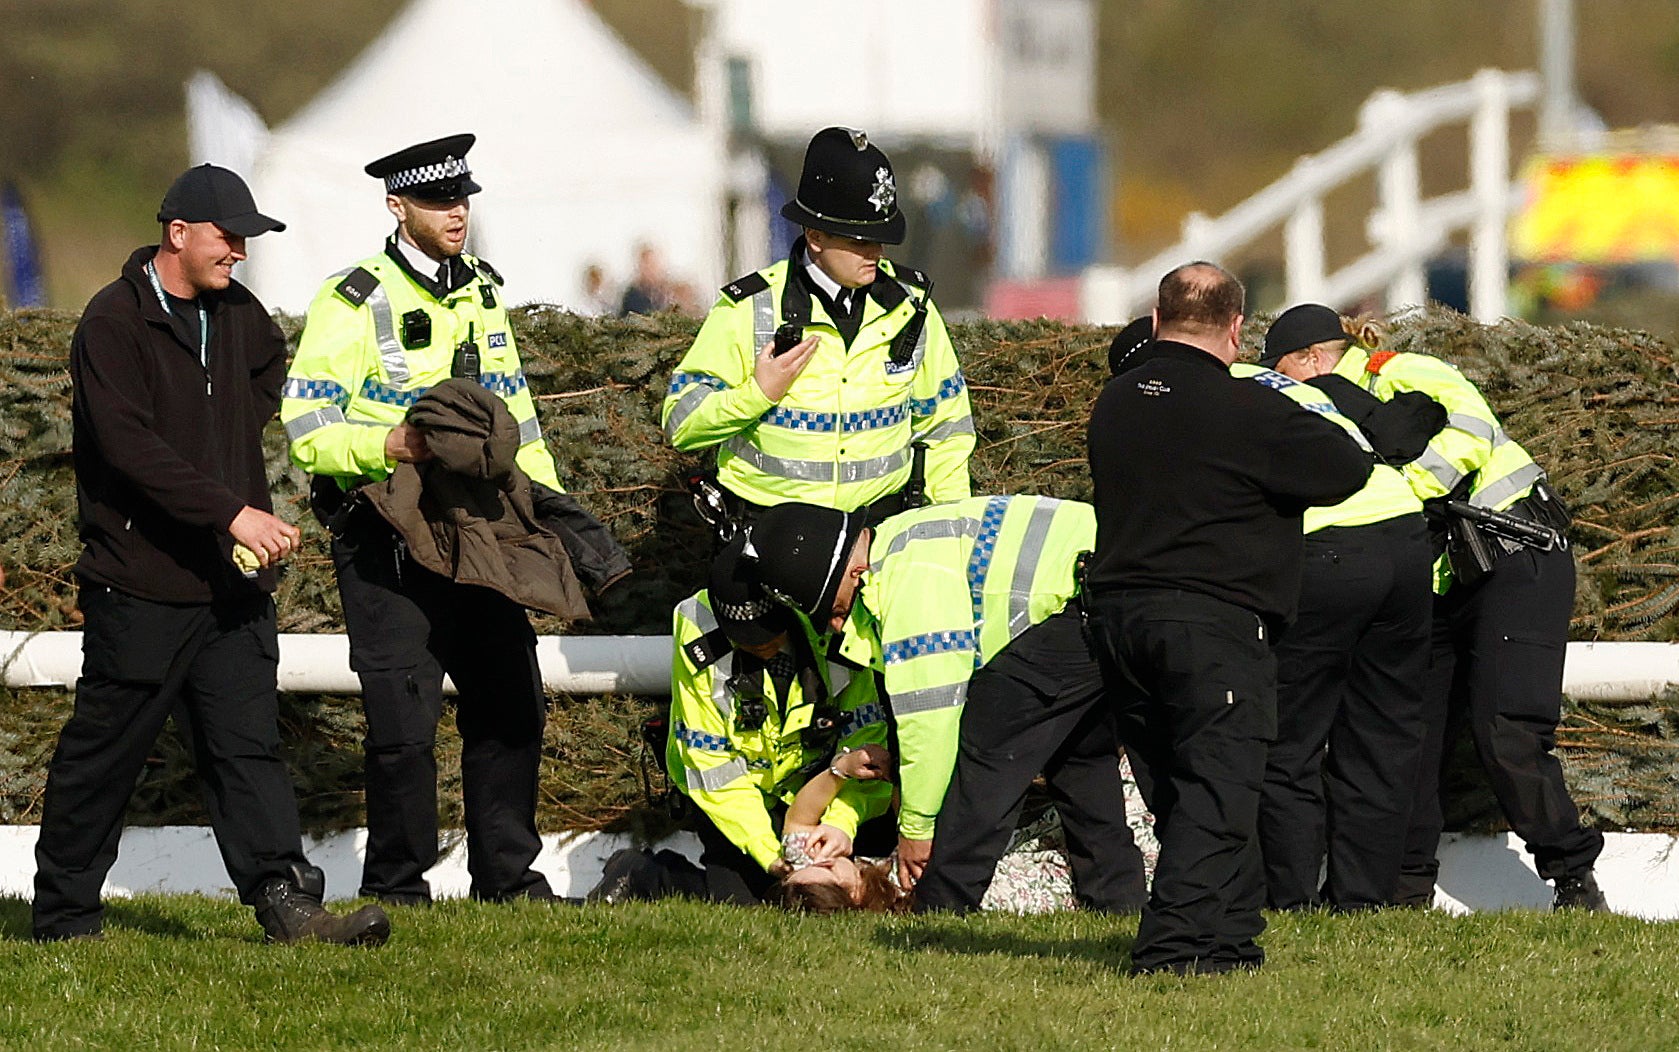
x,y
290,910
1580,893
629,874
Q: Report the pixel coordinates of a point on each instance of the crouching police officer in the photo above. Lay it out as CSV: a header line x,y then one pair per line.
x,y
379,335
968,611
864,372
756,711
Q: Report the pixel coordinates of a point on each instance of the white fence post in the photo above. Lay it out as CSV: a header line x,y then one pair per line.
x,y
1399,198
1303,252
1489,183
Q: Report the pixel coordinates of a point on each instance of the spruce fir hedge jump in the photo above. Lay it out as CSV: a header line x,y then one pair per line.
x,y
1598,408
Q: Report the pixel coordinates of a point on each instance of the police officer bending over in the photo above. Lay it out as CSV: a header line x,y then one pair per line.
x,y
1201,480
1500,619
865,370
967,609
379,335
1350,670
756,711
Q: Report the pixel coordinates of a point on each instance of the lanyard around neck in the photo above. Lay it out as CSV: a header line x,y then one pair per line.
x,y
203,317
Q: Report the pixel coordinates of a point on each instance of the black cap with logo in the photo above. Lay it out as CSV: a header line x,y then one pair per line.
x,y
208,194
847,188
430,171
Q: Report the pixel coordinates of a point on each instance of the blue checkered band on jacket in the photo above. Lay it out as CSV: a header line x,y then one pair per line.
x,y
929,643
505,384
324,390
810,420
949,388
700,740
860,717
680,380
985,546
448,168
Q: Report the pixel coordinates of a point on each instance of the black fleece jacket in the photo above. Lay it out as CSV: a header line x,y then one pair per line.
x,y
1202,478
168,451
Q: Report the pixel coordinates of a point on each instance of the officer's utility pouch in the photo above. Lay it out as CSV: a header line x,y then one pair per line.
x,y
1472,552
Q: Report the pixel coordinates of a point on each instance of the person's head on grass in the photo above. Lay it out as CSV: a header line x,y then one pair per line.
x,y
841,884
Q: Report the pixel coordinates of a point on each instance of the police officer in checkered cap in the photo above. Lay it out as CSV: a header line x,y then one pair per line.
x,y
381,333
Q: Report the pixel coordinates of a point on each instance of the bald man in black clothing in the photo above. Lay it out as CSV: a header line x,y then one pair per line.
x,y
1201,481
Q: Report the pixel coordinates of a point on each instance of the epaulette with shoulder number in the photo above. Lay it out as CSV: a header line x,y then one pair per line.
x,y
1379,359
911,276
357,285
741,288
708,649
488,271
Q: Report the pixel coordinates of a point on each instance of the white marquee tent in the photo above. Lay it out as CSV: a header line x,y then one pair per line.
x,y
582,151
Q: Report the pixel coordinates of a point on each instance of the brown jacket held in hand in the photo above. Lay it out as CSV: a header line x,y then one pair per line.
x,y
467,512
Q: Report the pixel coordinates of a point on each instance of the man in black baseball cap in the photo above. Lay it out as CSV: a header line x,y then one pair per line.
x,y
208,194
841,433
176,368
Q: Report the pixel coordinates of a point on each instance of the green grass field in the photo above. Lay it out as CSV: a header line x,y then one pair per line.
x,y
186,972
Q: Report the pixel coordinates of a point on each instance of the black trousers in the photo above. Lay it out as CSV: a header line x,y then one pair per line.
x,y
409,626
1350,677
213,667
1037,707
1498,655
1195,683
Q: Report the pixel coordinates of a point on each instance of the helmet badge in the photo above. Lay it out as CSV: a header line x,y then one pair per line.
x,y
885,191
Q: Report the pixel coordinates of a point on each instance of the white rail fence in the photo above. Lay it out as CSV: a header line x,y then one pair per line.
x,y
320,664
1404,230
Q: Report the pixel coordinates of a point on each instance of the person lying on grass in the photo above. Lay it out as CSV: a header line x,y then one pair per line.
x,y
820,875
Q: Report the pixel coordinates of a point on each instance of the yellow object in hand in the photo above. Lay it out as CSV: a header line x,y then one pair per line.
x,y
246,560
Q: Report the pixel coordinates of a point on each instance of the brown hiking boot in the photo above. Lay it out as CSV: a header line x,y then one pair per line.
x,y
290,910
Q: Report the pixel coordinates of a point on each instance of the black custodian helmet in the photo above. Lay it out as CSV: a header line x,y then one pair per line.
x,y
847,188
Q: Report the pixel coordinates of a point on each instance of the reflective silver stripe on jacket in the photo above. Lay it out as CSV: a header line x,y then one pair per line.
x,y
1474,425
1026,567
763,317
1500,490
529,431
390,350
297,427
703,619
964,526
818,470
962,426
929,699
684,408
1438,466
716,778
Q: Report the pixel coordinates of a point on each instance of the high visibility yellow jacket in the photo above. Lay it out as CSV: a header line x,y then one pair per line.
x,y
1472,440
841,437
1387,495
736,775
374,341
947,588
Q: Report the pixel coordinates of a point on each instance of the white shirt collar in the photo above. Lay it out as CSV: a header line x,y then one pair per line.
x,y
422,263
830,288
